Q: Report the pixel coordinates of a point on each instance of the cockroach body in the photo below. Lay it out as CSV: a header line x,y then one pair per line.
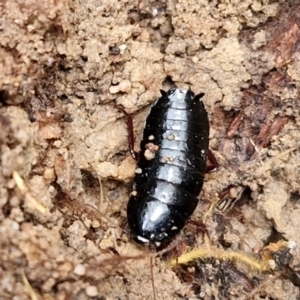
x,y
171,166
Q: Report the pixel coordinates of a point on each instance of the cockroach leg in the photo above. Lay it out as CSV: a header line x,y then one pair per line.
x,y
213,163
200,225
152,278
129,124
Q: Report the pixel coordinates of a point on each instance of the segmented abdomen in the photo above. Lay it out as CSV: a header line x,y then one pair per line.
x,y
172,161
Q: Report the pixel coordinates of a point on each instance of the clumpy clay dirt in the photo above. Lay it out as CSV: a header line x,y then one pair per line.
x,y
65,168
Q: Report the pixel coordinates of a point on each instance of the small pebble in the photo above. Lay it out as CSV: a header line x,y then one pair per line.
x,y
79,270
125,85
122,47
114,89
49,174
15,226
91,291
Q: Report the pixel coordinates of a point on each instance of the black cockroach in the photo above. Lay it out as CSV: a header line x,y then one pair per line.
x,y
170,168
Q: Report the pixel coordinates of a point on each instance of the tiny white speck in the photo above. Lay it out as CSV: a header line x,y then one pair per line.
x,y
79,270
151,138
134,193
157,244
122,47
171,137
149,154
152,236
140,238
50,60
174,228
292,245
91,291
15,226
138,171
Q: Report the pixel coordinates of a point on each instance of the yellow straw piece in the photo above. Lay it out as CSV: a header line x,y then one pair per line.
x,y
30,201
259,265
31,291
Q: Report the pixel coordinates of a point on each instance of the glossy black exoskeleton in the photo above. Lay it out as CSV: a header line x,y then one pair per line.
x,y
170,168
